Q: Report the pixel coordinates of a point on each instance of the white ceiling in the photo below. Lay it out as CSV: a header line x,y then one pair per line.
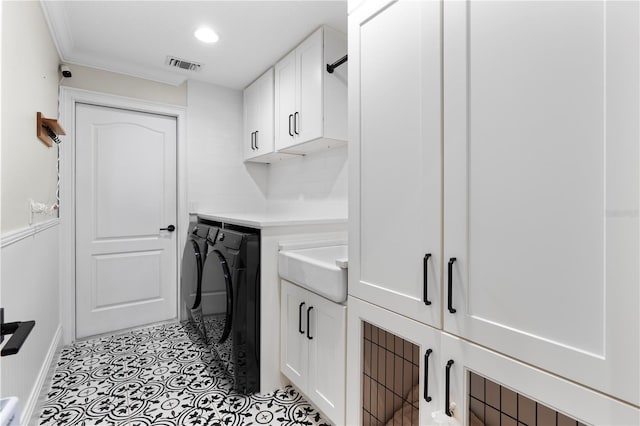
x,y
135,37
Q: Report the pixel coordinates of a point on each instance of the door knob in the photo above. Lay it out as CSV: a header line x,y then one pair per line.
x,y
169,228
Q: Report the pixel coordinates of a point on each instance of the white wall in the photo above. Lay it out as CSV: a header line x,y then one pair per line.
x,y
30,84
218,179
315,184
29,283
123,85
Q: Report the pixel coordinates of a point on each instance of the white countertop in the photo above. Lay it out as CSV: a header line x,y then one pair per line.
x,y
270,219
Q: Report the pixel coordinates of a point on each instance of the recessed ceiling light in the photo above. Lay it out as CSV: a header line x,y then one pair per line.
x,y
206,35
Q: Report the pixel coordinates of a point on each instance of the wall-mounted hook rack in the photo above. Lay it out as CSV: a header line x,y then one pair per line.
x,y
48,129
19,331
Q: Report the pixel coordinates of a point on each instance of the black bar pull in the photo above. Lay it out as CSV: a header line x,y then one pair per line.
x,y
256,140
19,331
252,148
290,117
308,323
295,122
426,375
169,228
447,387
300,330
450,285
336,64
425,267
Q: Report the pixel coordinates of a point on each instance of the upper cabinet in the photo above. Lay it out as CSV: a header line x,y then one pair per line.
x,y
395,157
258,120
310,103
530,187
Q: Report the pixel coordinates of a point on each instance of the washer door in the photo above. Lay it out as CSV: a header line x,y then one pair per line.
x,y
217,298
191,275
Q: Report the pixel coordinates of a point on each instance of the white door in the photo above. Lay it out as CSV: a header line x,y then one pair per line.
x,y
126,273
250,120
327,350
294,350
263,140
285,101
541,185
309,69
395,224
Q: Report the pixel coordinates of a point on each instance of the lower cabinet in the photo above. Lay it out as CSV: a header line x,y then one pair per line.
x,y
312,348
459,383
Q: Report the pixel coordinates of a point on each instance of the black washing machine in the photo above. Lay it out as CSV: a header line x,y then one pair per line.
x,y
227,300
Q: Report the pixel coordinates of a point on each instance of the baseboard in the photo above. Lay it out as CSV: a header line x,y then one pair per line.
x,y
45,373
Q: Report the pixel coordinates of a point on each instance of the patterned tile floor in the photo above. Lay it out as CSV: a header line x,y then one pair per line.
x,y
161,376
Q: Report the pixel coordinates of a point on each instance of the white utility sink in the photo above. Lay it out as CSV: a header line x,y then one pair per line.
x,y
322,270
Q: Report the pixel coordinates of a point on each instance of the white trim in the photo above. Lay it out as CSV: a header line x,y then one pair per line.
x,y
20,234
43,375
68,99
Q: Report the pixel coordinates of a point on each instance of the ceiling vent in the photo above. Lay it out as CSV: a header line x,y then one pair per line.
x,y
182,64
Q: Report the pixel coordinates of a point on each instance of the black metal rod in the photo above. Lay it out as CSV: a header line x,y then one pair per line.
x,y
308,323
295,122
425,267
300,330
256,141
450,285
426,375
336,64
447,387
19,331
290,117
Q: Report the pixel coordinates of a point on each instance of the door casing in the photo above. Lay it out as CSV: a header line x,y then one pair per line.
x,y
68,99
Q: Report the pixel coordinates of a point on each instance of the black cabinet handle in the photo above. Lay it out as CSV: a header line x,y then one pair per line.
x,y
426,375
252,147
308,323
290,117
300,330
447,388
425,267
295,122
450,285
256,140
169,228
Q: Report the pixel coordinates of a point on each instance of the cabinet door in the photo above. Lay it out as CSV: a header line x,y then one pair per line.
x,y
294,349
263,140
541,185
285,101
570,399
395,163
327,346
308,121
250,112
362,388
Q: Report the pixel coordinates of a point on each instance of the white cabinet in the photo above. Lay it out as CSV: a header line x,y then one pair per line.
x,y
312,348
447,366
310,103
541,185
395,164
531,186
258,139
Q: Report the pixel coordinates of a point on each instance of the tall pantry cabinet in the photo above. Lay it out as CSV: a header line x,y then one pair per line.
x,y
494,173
